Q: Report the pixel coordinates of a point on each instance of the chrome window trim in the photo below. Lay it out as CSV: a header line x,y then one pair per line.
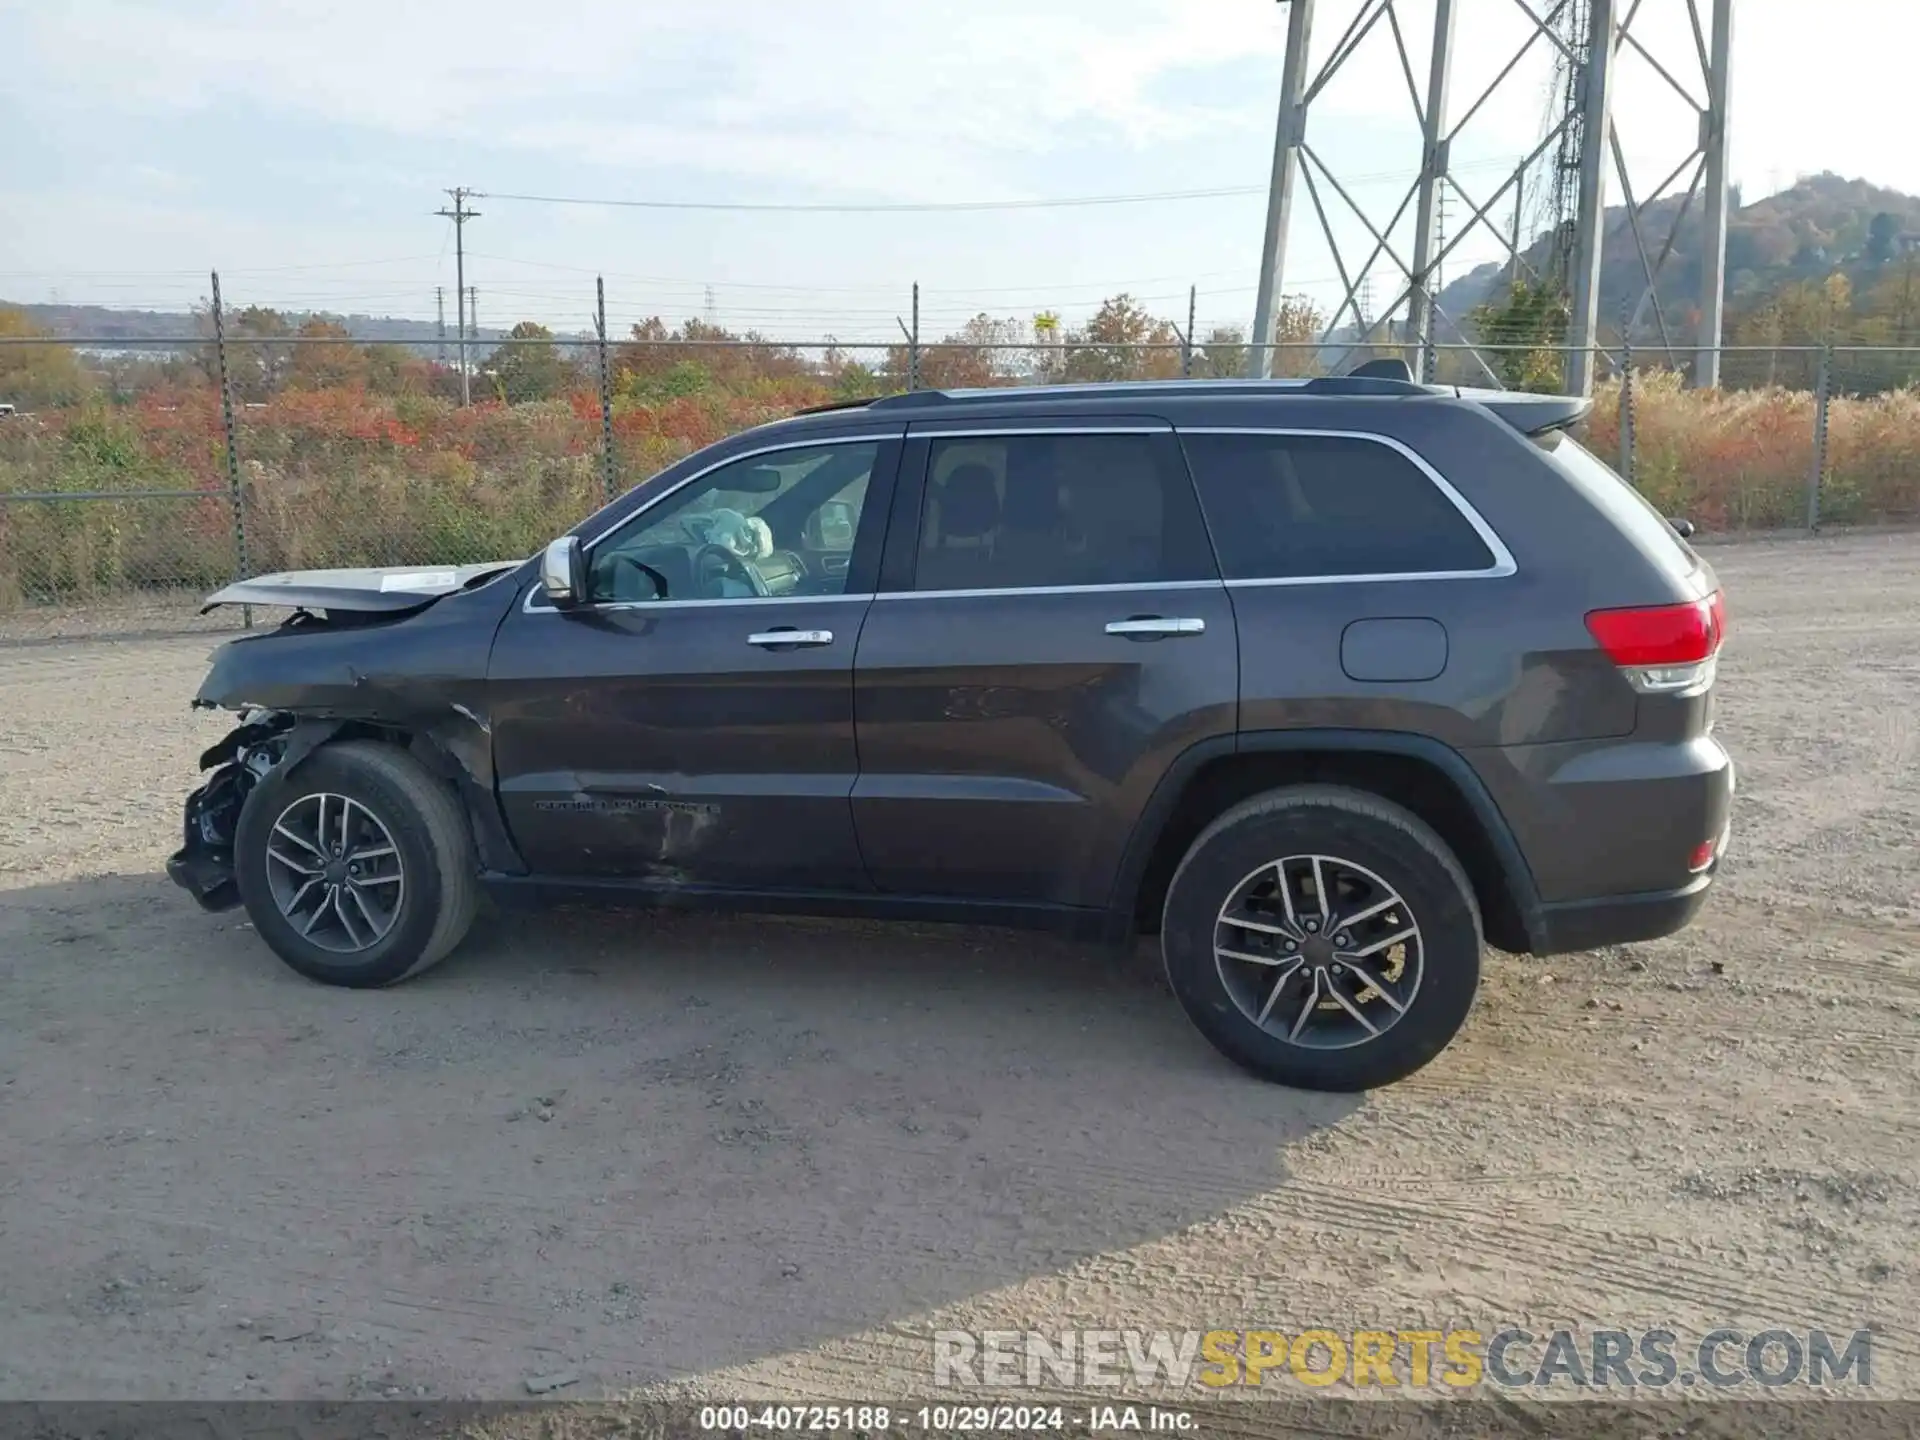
x,y
528,607
1143,427
1503,564
1214,584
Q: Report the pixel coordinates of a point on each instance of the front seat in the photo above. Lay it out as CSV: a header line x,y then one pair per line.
x,y
1031,549
968,515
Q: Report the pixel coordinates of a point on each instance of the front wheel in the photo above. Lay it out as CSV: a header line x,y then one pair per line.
x,y
1323,938
357,869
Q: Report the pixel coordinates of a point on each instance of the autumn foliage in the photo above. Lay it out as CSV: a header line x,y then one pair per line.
x,y
327,477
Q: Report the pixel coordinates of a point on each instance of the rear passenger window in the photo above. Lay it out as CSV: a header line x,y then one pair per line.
x,y
1302,506
1015,512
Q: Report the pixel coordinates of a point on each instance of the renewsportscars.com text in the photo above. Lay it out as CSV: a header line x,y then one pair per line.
x,y
1512,1358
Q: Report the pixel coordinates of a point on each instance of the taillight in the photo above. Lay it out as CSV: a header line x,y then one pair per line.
x,y
1663,649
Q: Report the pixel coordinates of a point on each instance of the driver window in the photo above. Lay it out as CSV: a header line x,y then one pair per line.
x,y
751,528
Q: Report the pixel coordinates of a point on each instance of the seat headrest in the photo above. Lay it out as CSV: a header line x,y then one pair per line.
x,y
1032,501
969,503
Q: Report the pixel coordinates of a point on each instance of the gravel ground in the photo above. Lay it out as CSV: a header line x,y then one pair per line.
x,y
769,1157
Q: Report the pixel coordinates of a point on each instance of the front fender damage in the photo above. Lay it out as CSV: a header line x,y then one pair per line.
x,y
264,741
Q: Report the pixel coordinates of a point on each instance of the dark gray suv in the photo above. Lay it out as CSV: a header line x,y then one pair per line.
x,y
1325,682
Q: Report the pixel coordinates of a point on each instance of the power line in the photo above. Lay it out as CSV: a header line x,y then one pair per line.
x,y
904,207
1039,288
1067,202
237,270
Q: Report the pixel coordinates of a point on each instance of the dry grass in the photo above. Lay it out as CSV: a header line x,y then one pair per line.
x,y
326,478
1742,459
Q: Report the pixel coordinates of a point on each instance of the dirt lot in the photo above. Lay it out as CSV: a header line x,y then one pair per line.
x,y
771,1156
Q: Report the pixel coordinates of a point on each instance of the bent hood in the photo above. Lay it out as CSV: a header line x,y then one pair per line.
x,y
392,589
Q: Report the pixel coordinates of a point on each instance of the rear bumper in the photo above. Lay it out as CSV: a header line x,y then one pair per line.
x,y
1619,919
1601,820
1571,925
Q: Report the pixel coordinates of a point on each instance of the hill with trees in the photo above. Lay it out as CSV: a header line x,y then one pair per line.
x,y
1829,260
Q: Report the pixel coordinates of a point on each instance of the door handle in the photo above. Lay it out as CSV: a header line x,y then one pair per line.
x,y
795,638
1152,626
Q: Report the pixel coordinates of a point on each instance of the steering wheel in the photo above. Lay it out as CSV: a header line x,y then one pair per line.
x,y
625,565
715,562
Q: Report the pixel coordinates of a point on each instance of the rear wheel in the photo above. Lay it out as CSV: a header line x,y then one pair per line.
x,y
1323,938
358,869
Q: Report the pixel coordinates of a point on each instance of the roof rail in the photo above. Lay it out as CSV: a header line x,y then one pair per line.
x,y
879,402
911,397
1358,384
1387,367
1380,379
832,405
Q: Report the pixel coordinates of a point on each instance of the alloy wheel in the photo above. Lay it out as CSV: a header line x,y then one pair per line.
x,y
335,873
1318,951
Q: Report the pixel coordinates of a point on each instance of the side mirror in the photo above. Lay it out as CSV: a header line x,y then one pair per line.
x,y
1681,526
563,572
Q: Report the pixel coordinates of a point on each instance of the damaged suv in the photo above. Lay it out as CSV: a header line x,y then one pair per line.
x,y
1326,683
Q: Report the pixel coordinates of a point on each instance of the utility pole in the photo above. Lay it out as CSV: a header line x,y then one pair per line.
x,y
1905,326
1289,134
1186,350
473,329
1519,189
460,214
913,340
440,325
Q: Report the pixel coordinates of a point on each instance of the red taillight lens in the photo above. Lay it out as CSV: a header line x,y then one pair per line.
x,y
1661,634
1702,856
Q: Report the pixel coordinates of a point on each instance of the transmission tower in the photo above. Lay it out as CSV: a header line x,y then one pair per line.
x,y
1571,61
1588,39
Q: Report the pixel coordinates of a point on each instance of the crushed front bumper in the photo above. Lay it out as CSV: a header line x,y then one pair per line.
x,y
203,865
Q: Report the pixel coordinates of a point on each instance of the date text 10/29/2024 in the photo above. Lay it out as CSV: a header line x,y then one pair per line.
x,y
944,1419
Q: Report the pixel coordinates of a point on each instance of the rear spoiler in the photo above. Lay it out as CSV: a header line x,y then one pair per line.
x,y
1532,415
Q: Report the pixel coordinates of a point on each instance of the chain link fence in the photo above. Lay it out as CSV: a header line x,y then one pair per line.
x,y
180,465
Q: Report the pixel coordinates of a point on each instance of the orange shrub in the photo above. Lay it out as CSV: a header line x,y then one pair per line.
x,y
1742,459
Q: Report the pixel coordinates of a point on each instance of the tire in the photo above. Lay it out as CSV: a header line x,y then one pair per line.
x,y
1369,848
359,788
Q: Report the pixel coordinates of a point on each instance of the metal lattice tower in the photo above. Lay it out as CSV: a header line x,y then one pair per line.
x,y
1575,33
1587,38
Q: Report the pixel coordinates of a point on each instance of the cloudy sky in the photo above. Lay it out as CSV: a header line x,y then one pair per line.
x,y
302,148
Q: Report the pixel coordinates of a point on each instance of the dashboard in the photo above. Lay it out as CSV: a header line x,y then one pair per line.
x,y
705,572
